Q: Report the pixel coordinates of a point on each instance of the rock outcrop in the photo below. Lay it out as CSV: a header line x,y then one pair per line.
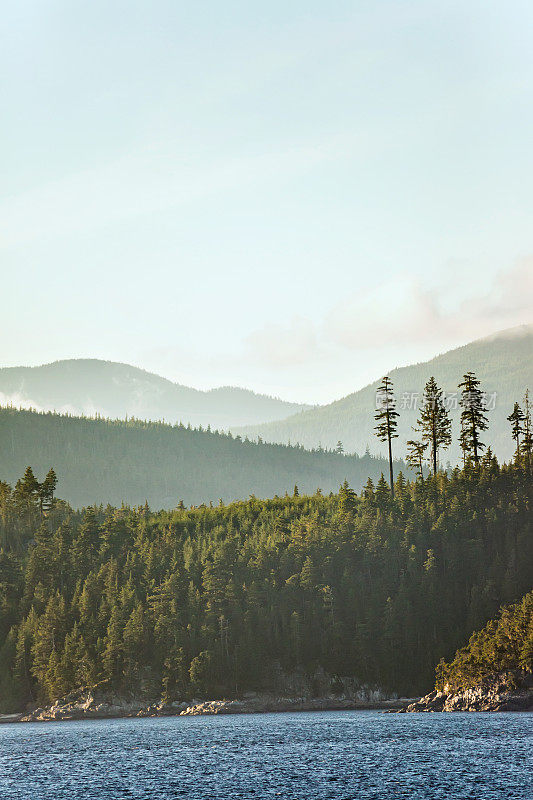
x,y
261,704
505,691
100,702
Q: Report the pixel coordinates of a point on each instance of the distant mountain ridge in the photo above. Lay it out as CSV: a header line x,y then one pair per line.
x,y
115,390
502,361
90,387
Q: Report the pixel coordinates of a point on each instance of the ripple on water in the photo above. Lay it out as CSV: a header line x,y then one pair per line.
x,y
337,755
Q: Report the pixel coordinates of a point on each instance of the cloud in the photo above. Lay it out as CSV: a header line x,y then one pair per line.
x,y
20,401
404,312
401,309
510,298
398,322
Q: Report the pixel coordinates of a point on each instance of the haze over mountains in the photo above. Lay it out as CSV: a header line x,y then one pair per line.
x,y
110,389
503,362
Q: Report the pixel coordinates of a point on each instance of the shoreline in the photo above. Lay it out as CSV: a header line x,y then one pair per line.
x,y
505,691
91,709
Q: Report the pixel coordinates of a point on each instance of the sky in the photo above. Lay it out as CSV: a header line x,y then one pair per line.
x,y
292,197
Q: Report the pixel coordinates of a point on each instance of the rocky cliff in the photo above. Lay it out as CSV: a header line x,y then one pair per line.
x,y
504,691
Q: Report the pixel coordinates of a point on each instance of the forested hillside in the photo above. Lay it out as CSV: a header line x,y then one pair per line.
x,y
99,461
503,363
90,386
215,601
505,643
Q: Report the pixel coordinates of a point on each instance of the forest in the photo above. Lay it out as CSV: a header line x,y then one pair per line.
x,y
505,643
216,600
130,461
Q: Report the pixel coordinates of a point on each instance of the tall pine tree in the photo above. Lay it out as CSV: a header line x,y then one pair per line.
x,y
386,418
516,418
434,422
527,440
473,416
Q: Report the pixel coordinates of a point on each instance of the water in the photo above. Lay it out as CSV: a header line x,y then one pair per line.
x,y
359,755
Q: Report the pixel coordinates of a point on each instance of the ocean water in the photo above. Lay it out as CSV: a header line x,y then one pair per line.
x,y
357,755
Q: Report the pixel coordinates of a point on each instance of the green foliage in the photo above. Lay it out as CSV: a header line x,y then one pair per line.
x,y
505,643
386,418
215,600
434,422
201,672
415,456
473,417
347,499
526,449
101,461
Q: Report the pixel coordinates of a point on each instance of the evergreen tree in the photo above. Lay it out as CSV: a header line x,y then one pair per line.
x,y
25,494
383,493
516,418
369,490
46,491
308,575
223,600
386,418
201,672
174,679
48,641
347,499
133,644
415,456
473,419
29,484
434,422
527,441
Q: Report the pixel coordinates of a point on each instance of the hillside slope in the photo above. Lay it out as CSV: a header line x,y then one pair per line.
x,y
503,362
505,643
217,602
493,672
91,386
99,461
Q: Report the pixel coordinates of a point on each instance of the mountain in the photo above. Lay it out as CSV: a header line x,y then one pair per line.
x,y
91,386
103,461
503,362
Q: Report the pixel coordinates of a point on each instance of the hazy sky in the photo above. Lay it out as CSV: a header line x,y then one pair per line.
x,y
293,197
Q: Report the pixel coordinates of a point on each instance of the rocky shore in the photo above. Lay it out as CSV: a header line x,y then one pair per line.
x,y
506,691
99,703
